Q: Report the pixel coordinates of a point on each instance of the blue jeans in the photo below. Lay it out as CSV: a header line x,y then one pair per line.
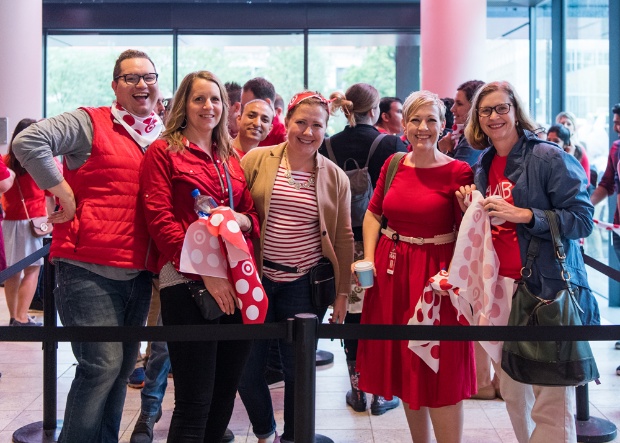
x,y
285,301
157,369
97,395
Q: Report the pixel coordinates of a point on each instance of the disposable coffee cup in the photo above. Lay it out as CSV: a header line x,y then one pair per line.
x,y
364,273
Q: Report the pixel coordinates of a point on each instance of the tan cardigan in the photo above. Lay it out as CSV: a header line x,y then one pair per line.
x,y
333,194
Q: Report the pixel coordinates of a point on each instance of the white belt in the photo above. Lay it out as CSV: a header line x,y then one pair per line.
x,y
436,240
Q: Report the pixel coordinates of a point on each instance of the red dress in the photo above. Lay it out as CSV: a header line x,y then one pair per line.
x,y
419,203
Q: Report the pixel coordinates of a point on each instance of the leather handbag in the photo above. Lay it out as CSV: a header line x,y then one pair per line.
x,y
207,305
547,363
39,227
322,284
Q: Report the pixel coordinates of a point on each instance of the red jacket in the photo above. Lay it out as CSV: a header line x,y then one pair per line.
x,y
277,134
167,180
109,226
34,197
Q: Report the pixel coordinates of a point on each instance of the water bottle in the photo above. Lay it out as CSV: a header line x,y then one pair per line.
x,y
203,204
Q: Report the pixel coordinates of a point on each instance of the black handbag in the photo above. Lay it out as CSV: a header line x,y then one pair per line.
x,y
547,363
207,305
322,284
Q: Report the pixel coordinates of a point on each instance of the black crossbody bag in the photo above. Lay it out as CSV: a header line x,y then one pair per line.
x,y
322,280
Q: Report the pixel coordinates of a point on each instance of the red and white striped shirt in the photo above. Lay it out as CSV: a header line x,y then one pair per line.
x,y
292,234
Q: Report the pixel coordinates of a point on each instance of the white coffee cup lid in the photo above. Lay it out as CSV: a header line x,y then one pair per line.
x,y
363,266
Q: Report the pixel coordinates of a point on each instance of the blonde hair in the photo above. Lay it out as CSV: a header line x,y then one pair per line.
x,y
177,117
474,134
356,102
418,99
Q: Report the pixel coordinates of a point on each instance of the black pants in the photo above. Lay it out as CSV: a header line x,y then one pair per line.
x,y
206,374
350,345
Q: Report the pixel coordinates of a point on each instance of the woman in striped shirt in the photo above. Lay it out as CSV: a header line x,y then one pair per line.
x,y
303,203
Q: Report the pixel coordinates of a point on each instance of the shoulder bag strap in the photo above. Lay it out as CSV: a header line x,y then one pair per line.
x,y
330,151
560,254
392,168
19,188
391,172
230,190
373,147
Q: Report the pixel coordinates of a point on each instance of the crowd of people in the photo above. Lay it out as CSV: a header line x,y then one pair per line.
x,y
124,206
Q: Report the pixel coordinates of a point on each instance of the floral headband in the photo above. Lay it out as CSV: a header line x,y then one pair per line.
x,y
298,98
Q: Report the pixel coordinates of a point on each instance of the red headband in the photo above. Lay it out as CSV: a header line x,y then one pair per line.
x,y
297,98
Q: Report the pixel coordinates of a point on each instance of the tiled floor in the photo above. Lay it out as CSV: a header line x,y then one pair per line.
x,y
485,421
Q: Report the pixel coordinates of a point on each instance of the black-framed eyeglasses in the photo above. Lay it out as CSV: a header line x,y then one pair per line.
x,y
134,79
501,109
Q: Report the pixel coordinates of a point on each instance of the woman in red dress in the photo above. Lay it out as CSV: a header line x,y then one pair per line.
x,y
420,203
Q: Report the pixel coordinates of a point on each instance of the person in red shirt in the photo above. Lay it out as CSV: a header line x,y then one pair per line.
x,y
195,153
390,116
253,126
23,201
261,88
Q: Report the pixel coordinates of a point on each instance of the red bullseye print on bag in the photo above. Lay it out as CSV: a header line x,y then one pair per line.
x,y
214,247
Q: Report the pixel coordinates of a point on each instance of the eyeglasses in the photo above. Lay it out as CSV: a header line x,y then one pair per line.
x,y
501,109
134,79
167,102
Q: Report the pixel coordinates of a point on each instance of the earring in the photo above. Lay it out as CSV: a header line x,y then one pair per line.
x,y
184,124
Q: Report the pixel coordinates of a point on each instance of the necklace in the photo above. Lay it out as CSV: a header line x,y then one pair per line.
x,y
291,181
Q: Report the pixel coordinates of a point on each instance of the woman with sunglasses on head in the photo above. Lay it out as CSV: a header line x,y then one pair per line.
x,y
195,153
521,176
304,206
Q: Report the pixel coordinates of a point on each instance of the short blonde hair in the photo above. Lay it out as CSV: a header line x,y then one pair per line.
x,y
418,99
474,134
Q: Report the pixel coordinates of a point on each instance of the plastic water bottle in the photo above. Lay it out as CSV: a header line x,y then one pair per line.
x,y
203,204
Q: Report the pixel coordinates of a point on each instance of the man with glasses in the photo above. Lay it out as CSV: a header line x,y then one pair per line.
x,y
100,246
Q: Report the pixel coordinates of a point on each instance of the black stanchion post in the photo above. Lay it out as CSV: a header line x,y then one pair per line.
x,y
591,429
305,379
49,429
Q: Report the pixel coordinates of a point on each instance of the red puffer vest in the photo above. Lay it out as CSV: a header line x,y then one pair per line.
x,y
109,227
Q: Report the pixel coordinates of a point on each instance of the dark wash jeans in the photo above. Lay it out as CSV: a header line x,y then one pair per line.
x,y
206,374
285,301
97,395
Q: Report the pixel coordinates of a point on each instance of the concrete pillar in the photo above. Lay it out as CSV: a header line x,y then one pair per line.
x,y
21,63
453,40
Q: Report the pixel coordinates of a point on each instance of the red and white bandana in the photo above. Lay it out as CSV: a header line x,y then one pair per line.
x,y
215,245
143,130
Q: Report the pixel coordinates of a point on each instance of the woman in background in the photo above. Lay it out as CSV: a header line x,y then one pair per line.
x,y
19,242
360,105
560,135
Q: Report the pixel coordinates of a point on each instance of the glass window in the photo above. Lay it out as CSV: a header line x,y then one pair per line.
x,y
508,48
336,61
277,57
79,67
587,75
587,96
542,106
